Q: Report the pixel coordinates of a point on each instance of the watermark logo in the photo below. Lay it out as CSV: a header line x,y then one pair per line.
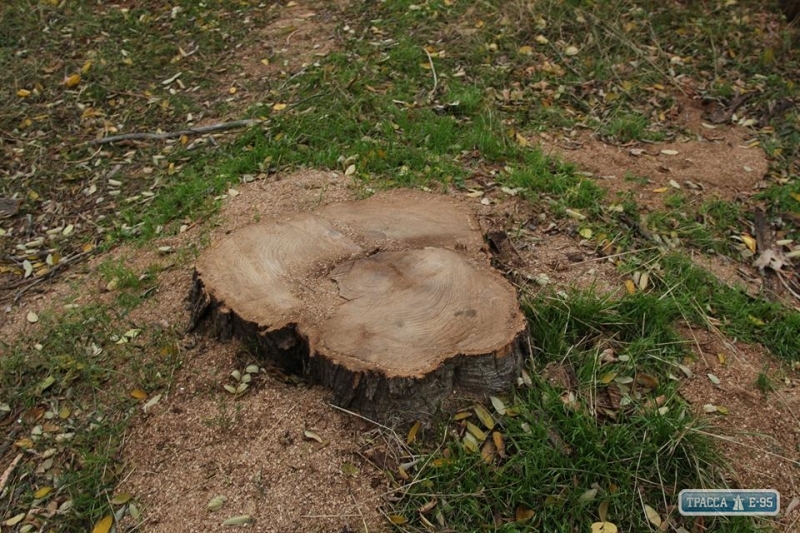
x,y
729,502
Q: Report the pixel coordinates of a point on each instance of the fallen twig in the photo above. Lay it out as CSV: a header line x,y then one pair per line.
x,y
244,123
432,94
9,470
29,284
173,134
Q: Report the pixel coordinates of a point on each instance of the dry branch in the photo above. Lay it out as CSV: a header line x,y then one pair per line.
x,y
141,136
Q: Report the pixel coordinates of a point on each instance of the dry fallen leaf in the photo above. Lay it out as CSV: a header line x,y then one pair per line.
x,y
310,435
216,503
476,432
42,492
498,405
499,443
652,516
412,433
484,416
72,81
14,520
121,499
750,242
523,514
138,394
32,317
604,527
240,520
397,519
104,525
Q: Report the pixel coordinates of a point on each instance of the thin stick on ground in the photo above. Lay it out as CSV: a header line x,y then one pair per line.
x,y
432,94
146,136
142,136
30,283
7,474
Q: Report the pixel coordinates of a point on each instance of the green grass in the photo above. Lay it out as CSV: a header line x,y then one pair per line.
x,y
569,453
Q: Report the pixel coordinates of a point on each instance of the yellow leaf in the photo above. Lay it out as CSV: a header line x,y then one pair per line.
x,y
72,81
104,525
86,67
476,432
541,39
23,93
279,107
795,195
461,415
121,499
525,50
138,394
14,520
521,140
24,443
660,190
608,377
42,492
127,61
412,433
499,443
604,527
397,519
523,514
87,247
484,417
184,139
630,286
750,242
232,90
652,516
488,451
586,233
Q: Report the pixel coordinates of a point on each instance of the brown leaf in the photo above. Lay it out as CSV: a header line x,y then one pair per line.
x,y
499,443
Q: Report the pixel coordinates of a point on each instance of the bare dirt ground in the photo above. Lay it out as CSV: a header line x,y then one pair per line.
x,y
708,161
758,432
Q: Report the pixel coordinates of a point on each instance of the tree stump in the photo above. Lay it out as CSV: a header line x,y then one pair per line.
x,y
390,302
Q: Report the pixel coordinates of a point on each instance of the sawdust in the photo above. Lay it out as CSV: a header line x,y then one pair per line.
x,y
760,434
723,163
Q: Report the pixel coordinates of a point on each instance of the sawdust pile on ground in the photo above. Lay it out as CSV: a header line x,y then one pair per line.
x,y
760,433
705,163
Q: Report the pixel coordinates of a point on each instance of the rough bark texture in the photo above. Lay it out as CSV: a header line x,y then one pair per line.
x,y
390,302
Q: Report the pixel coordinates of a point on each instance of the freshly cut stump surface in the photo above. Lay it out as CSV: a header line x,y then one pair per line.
x,y
390,302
